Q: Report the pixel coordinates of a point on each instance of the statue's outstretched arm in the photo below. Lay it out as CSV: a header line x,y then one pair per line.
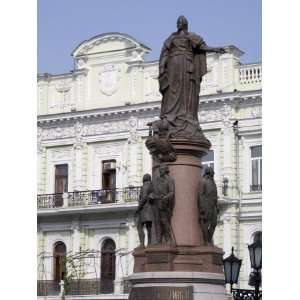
x,y
206,48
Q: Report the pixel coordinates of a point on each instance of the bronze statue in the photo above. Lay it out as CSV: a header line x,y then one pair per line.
x,y
144,215
182,65
164,187
208,205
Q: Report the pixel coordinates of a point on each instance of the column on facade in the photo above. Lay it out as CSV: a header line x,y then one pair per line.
x,y
133,178
228,149
118,279
79,147
135,157
131,245
76,236
41,162
41,165
120,267
227,241
41,254
229,69
78,168
147,159
41,98
135,70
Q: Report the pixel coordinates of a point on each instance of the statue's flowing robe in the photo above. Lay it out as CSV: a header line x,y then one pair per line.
x,y
182,64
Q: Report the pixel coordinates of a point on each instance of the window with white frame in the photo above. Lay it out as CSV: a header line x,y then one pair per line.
x,y
208,160
256,168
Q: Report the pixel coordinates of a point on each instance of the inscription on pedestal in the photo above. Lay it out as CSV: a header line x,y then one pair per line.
x,y
158,258
161,293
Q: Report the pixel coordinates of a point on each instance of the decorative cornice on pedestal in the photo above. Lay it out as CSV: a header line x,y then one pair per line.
x,y
177,277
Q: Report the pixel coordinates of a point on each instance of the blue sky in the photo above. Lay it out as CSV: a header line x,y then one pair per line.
x,y
63,24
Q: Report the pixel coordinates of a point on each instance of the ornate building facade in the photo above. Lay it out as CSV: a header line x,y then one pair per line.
x,y
92,126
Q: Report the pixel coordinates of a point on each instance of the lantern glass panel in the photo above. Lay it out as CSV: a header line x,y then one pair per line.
x,y
258,257
255,253
252,255
236,265
227,272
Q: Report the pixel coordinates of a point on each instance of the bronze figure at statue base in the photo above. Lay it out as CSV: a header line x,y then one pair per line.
x,y
178,204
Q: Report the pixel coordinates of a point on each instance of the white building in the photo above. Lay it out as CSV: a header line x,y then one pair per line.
x,y
92,125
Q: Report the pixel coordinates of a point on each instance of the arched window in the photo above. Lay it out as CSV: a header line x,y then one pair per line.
x,y
59,256
108,266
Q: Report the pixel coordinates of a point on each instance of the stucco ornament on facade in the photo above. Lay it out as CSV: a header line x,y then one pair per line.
x,y
109,79
58,133
256,112
61,154
112,149
40,147
132,127
78,129
227,115
208,116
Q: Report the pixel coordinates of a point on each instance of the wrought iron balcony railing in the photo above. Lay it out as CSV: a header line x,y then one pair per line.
x,y
50,200
88,198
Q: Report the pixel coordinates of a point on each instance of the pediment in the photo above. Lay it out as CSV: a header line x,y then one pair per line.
x,y
108,42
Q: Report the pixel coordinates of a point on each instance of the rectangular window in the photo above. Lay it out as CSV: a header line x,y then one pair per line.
x,y
256,168
208,160
61,184
109,180
61,178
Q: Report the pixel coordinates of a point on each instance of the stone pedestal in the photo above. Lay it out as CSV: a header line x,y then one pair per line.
x,y
186,172
176,258
186,269
177,286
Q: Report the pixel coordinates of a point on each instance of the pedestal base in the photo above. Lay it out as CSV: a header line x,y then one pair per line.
x,y
166,258
177,286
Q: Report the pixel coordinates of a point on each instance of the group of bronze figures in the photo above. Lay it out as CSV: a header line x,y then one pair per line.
x,y
182,65
156,203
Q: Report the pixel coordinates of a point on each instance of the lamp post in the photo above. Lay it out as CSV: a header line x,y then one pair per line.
x,y
232,267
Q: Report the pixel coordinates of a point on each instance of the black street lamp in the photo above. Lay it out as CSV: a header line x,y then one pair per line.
x,y
232,267
255,255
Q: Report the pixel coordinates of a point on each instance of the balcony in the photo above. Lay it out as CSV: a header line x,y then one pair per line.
x,y
250,76
88,198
